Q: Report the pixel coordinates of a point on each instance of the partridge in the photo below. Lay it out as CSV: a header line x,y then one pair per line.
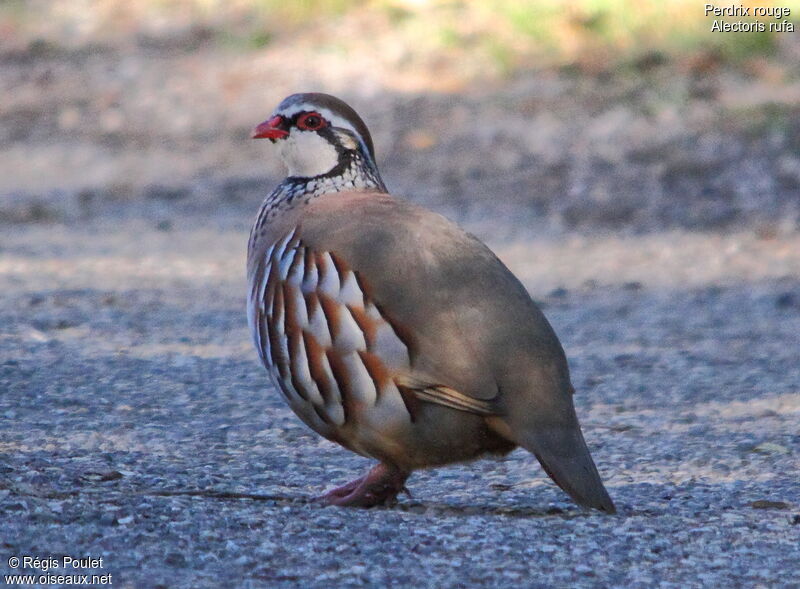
x,y
393,332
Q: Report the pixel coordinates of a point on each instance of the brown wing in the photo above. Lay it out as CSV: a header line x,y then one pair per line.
x,y
471,325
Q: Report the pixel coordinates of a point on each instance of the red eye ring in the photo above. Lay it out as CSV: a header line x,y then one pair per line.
x,y
311,121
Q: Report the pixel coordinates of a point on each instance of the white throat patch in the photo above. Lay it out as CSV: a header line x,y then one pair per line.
x,y
306,154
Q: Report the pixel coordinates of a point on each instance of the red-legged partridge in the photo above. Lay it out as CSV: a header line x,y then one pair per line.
x,y
390,330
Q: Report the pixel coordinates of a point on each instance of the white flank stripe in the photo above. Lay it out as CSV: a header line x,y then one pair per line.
x,y
280,246
310,280
294,275
335,413
330,281
361,383
350,337
334,406
350,293
301,312
286,262
373,313
252,318
268,255
287,388
262,288
303,376
318,326
278,315
265,345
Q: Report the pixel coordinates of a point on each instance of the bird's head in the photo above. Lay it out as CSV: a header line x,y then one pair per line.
x,y
318,135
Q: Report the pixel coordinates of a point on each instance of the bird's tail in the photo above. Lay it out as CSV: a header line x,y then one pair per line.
x,y
562,452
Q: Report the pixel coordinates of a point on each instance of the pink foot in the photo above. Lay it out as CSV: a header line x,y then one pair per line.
x,y
379,486
344,490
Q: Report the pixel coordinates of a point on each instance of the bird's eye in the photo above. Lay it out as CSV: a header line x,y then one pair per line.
x,y
310,121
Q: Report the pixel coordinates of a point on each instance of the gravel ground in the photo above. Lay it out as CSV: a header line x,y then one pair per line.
x,y
138,427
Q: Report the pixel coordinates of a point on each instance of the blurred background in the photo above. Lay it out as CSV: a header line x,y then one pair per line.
x,y
597,115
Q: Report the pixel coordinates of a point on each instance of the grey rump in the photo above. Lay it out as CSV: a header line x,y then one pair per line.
x,y
473,366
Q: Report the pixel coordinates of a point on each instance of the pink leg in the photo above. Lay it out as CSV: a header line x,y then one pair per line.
x,y
379,486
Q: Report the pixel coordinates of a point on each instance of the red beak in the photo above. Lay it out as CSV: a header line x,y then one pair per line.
x,y
270,129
